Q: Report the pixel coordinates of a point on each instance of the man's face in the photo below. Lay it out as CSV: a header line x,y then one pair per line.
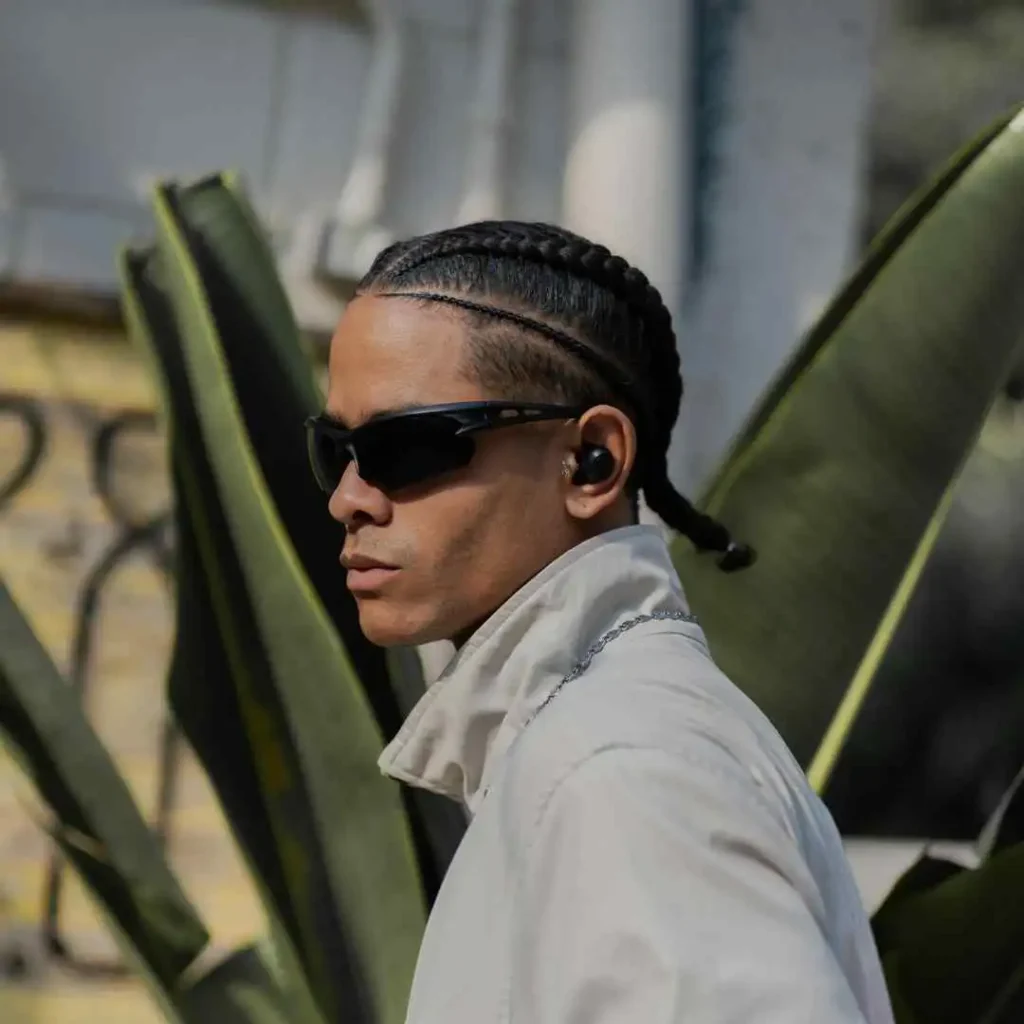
x,y
461,543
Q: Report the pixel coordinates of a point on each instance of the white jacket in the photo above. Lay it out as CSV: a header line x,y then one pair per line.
x,y
643,847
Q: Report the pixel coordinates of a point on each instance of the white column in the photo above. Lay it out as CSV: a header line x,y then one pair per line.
x,y
626,180
783,208
484,197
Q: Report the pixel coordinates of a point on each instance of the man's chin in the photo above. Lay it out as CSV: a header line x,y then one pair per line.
x,y
386,625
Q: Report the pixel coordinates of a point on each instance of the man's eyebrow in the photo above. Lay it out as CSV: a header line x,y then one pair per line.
x,y
339,421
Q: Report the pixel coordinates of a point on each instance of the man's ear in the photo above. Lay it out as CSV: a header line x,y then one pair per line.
x,y
611,429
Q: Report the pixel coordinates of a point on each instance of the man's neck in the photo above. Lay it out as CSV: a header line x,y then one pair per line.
x,y
615,518
521,652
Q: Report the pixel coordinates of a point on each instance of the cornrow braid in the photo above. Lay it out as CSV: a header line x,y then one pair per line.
x,y
617,327
606,366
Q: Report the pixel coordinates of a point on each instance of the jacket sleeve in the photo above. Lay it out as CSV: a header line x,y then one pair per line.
x,y
657,890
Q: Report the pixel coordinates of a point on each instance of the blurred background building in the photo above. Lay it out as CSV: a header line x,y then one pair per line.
x,y
718,143
742,152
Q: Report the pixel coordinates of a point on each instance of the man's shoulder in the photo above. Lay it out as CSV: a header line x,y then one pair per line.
x,y
663,695
660,690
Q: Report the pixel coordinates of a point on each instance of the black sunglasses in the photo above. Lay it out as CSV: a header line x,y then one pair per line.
x,y
411,447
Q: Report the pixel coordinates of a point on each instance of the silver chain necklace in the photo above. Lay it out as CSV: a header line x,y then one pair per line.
x,y
598,646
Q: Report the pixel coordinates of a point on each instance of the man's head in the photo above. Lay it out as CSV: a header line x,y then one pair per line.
x,y
443,524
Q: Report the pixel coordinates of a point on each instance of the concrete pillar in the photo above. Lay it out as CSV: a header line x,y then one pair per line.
x,y
782,207
626,181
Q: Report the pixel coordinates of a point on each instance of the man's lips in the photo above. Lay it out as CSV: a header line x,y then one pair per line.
x,y
362,562
366,574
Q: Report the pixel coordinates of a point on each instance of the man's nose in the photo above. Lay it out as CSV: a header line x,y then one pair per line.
x,y
355,502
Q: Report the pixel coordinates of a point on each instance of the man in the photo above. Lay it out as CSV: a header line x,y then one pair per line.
x,y
643,847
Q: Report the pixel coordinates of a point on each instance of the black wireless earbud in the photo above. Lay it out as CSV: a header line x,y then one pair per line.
x,y
594,463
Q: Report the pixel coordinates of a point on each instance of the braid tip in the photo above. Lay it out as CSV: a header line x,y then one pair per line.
x,y
737,557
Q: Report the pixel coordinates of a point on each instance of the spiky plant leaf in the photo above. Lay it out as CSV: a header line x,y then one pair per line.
x,y
95,819
843,474
343,882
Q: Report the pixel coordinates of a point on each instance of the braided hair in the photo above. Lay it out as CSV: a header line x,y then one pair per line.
x,y
600,333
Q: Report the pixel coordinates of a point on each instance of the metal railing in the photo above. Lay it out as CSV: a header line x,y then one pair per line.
x,y
148,534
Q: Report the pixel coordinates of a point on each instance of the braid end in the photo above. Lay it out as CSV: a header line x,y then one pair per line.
x,y
706,533
737,557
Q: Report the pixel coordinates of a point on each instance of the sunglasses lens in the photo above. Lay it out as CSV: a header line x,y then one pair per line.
x,y
327,455
401,453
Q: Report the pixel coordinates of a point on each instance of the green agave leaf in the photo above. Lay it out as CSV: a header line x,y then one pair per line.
x,y
273,382
843,475
97,823
955,951
240,990
221,687
338,824
200,688
901,1011
922,876
272,379
1006,826
92,867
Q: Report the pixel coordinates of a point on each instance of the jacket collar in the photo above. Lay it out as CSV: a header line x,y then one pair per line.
x,y
468,718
